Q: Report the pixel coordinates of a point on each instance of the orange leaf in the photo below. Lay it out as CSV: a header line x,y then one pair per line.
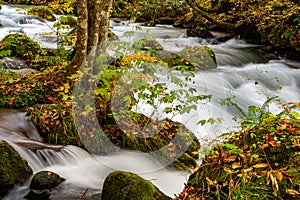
x,y
263,146
230,158
11,100
279,175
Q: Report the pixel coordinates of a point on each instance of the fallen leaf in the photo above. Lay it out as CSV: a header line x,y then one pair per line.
x,y
236,165
279,175
292,192
260,165
263,146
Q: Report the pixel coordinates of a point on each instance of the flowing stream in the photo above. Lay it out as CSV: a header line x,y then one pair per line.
x,y
242,72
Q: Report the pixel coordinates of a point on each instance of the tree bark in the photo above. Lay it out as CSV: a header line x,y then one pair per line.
x,y
82,38
92,32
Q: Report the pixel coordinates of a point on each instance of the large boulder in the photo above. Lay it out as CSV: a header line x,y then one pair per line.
x,y
121,185
13,168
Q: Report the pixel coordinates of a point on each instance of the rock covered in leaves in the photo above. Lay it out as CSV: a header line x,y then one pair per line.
x,y
259,162
13,168
121,185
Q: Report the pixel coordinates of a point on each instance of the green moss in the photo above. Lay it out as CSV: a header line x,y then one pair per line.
x,y
124,186
20,46
13,168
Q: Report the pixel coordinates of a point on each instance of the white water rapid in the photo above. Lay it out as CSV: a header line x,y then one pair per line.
x,y
241,72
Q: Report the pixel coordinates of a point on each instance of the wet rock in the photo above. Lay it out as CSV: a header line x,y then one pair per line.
x,y
174,60
45,180
41,185
199,32
13,169
125,185
38,195
145,44
201,57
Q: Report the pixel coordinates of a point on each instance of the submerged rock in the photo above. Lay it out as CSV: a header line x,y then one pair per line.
x,y
13,168
121,185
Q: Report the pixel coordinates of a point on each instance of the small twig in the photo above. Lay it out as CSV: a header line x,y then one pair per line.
x,y
82,196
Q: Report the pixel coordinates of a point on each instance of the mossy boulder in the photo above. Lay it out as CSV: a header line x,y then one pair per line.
x,y
20,46
45,180
13,168
175,61
121,185
41,185
42,11
190,58
201,57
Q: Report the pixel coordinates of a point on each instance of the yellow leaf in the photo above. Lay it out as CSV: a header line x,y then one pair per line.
x,y
194,153
227,170
67,87
247,170
210,182
292,192
236,165
196,169
260,165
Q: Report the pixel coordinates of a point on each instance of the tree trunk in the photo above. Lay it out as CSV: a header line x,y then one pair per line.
x,y
82,38
92,32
